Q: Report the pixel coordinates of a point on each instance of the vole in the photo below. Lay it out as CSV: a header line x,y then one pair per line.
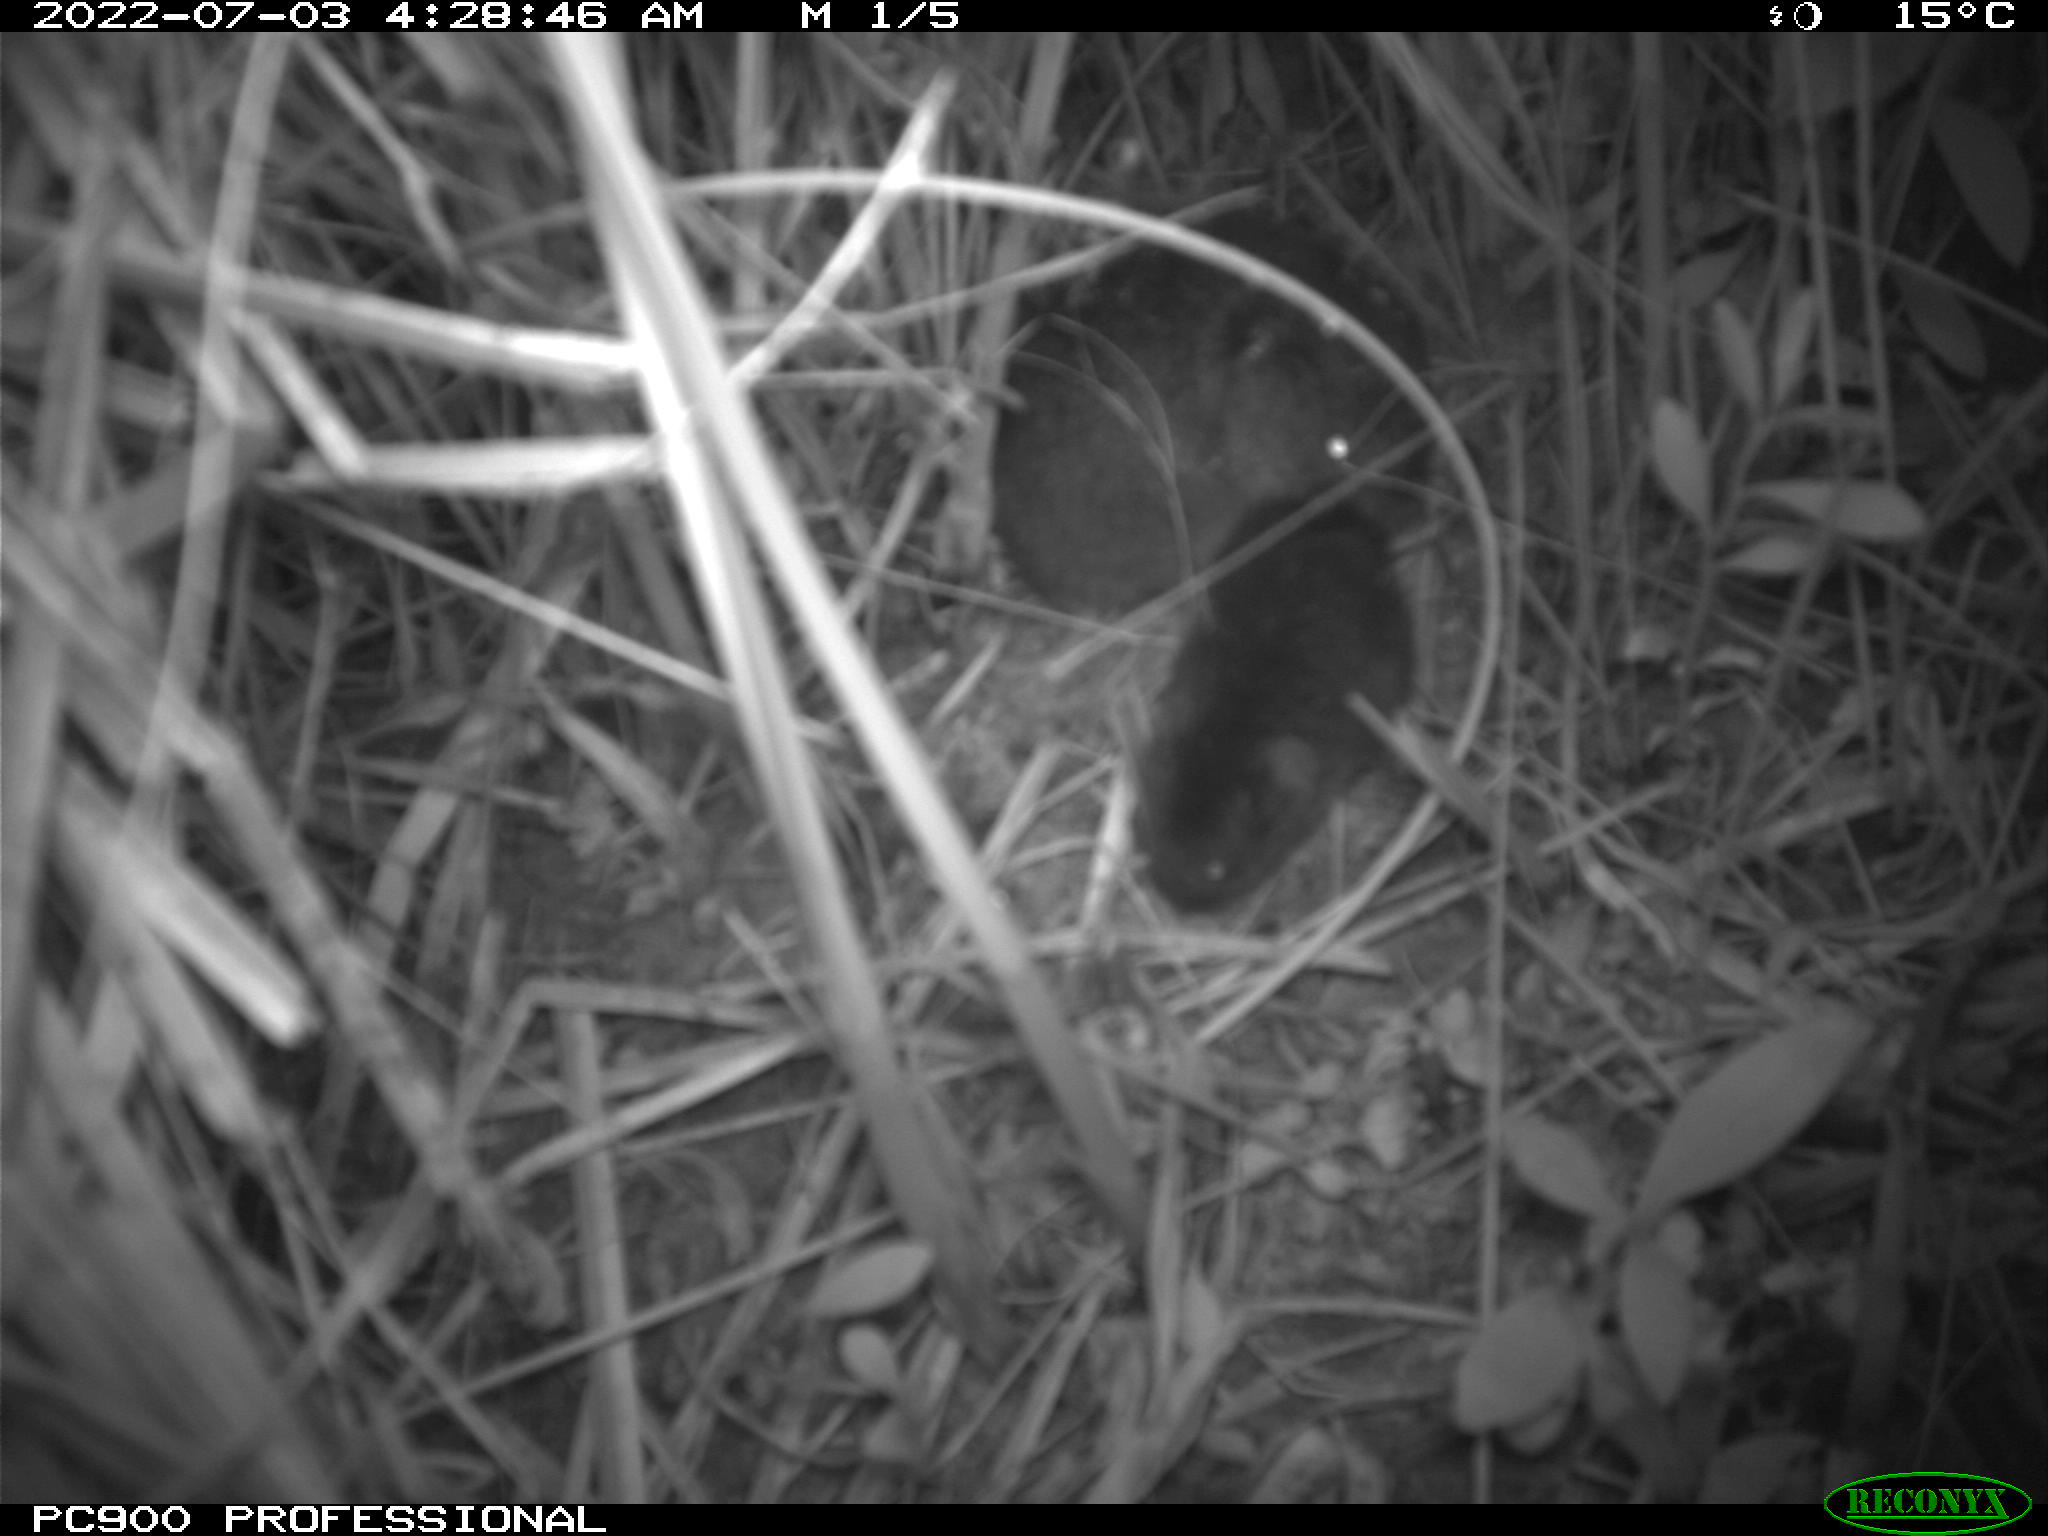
x,y
1160,398
1252,742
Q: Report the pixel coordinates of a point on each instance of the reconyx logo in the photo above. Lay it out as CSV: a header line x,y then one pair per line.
x,y
1921,1502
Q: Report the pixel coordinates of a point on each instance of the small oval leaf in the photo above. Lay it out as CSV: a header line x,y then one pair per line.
x,y
1678,453
1751,1107
1778,554
1656,1319
1737,346
1797,322
1810,499
1387,1128
1943,325
1834,79
1649,642
1874,511
1459,1033
1989,173
892,1441
1879,512
870,1361
1527,1360
1559,1166
1537,1434
870,1281
1700,280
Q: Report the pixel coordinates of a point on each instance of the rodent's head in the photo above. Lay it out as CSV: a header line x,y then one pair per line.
x,y
1214,826
1302,409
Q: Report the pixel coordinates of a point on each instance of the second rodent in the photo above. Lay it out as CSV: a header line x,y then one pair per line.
x,y
1252,742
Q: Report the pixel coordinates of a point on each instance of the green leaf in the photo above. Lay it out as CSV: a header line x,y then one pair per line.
x,y
1757,1102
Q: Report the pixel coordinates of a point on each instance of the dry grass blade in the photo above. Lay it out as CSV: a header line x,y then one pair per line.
x,y
131,1368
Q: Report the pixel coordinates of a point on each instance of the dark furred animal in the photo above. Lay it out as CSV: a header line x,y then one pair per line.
x,y
1252,742
1161,397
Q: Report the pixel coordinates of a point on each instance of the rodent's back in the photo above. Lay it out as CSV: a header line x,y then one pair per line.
x,y
1252,741
1162,397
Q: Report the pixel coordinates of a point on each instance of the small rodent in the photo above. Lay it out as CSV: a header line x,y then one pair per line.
x,y
1160,397
1252,742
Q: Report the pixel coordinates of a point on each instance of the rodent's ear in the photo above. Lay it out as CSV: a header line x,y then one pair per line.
x,y
1291,764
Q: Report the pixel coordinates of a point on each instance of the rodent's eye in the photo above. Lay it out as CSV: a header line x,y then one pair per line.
x,y
1338,447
